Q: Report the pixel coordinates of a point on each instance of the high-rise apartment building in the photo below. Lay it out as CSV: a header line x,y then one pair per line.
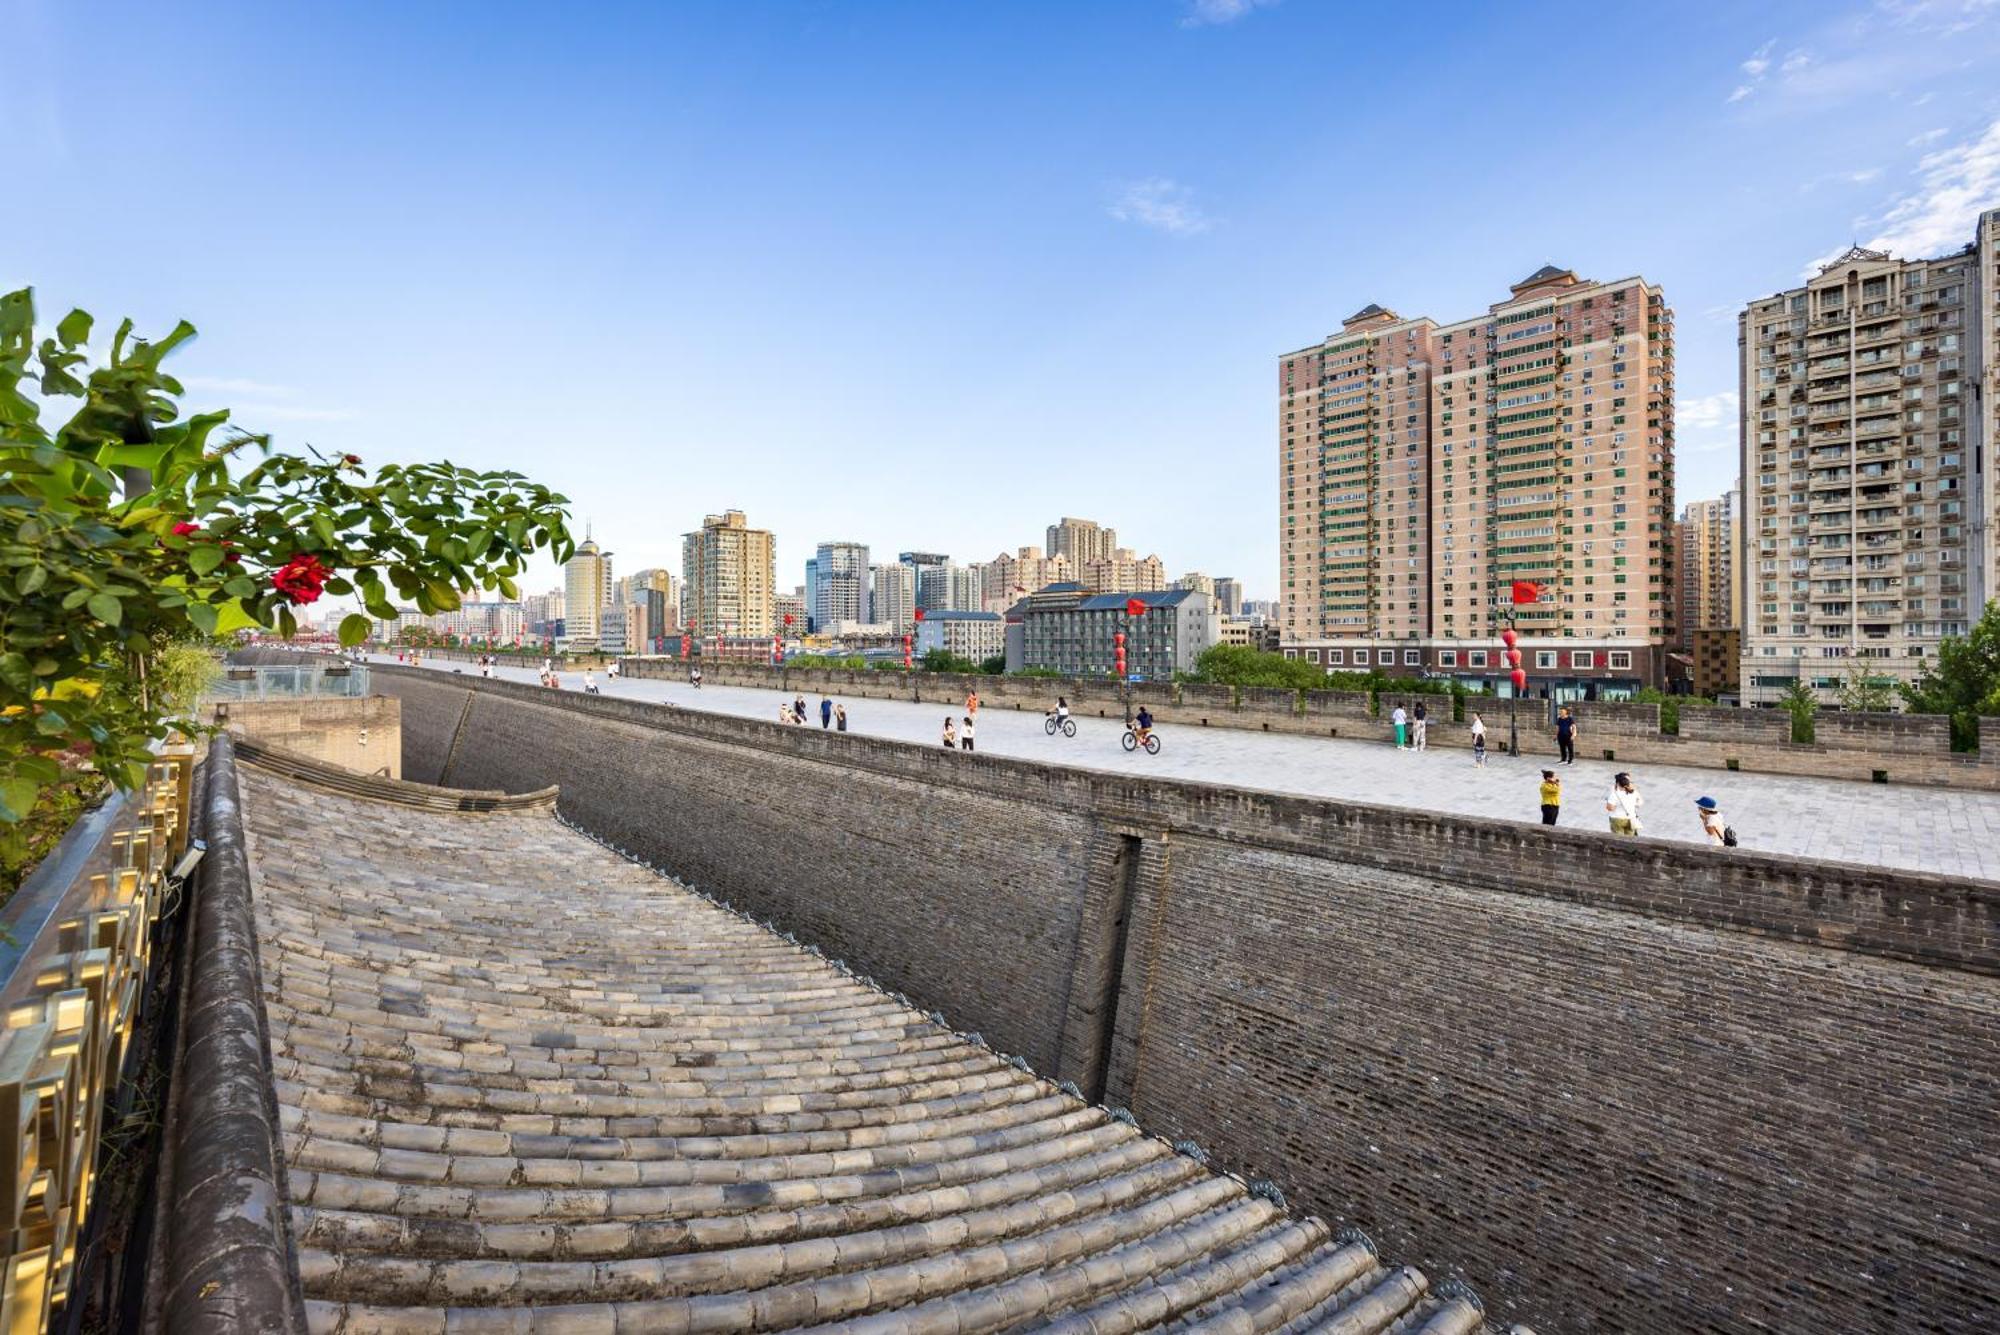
x,y
1194,579
963,588
586,593
932,582
1865,538
1706,549
1986,354
1229,595
791,605
728,577
1123,572
893,598
1006,579
1081,541
1424,468
839,587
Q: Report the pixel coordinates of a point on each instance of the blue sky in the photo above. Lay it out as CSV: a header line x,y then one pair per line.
x,y
931,275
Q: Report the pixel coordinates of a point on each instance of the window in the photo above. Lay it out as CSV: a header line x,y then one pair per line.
x,y
1545,659
1360,657
1291,653
1312,655
1447,658
1336,656
1582,658
1413,657
1475,657
1618,658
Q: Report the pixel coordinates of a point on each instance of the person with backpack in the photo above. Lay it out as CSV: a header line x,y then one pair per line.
x,y
1713,827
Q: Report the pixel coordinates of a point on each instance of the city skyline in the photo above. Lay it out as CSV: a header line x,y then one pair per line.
x,y
1046,205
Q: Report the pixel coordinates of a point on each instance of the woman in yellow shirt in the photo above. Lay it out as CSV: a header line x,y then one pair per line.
x,y
1552,796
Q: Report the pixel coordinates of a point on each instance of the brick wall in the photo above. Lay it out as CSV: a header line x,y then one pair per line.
x,y
1633,1085
363,734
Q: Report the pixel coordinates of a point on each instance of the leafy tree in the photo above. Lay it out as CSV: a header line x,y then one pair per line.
x,y
1670,705
1801,701
1963,681
943,660
128,528
993,666
1862,693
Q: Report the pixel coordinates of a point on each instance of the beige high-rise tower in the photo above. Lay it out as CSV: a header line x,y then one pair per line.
x,y
1081,541
728,578
1711,597
1866,539
1425,468
586,593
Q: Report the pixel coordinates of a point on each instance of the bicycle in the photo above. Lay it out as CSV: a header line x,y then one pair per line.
x,y
1052,725
1132,742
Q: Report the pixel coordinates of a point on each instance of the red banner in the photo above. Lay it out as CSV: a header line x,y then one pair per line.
x,y
1526,591
1135,607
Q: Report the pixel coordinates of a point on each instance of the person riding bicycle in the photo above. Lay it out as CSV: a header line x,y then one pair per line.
x,y
1062,710
1143,724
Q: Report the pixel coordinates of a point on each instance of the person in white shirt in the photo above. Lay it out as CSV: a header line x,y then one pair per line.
x,y
1402,722
1478,741
1622,805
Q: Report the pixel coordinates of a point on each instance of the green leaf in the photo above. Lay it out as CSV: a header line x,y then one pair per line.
x,y
17,799
203,617
324,527
204,559
354,629
106,608
74,329
31,579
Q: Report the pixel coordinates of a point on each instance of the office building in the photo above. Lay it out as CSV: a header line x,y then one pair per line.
x,y
977,636
586,593
1080,541
963,588
542,610
728,578
1229,595
1424,468
838,586
1862,448
928,572
668,585
893,597
1073,631
1706,550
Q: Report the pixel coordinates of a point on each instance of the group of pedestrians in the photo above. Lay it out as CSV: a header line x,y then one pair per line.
x,y
1413,727
1622,805
960,735
793,712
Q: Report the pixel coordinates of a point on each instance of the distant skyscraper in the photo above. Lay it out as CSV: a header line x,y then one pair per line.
x,y
1229,595
812,592
933,586
668,585
728,577
839,591
586,592
1709,533
1006,579
962,591
893,601
1194,579
791,605
1122,572
1081,541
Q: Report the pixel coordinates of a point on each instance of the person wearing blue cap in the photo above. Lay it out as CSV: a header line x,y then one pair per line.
x,y
1712,825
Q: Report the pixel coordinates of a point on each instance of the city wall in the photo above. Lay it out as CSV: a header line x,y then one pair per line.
x,y
1634,1085
362,734
1885,748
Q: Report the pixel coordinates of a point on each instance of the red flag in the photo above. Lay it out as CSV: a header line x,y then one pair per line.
x,y
1526,591
920,614
1135,607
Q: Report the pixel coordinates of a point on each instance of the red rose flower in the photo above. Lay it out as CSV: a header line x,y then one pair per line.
x,y
232,556
182,529
354,459
301,578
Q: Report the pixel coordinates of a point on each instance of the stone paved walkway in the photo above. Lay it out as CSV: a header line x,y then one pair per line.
x,y
528,1086
1932,829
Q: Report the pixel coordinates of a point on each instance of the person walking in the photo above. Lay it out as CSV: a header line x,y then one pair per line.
x,y
825,713
840,718
1478,741
965,735
799,708
589,683
1402,722
1566,735
1622,805
971,705
1715,829
950,734
612,671
1419,726
1552,796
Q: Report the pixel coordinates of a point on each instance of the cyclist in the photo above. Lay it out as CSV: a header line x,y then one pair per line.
x,y
1143,724
1061,711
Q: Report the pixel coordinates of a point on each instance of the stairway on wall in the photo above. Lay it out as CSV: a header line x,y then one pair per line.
x,y
525,1083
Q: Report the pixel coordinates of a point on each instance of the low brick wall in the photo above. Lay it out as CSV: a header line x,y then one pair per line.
x,y
1634,1085
363,734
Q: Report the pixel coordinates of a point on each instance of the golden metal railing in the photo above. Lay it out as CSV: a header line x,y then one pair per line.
x,y
81,932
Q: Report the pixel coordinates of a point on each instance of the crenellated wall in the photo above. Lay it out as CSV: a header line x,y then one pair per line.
x,y
1634,1085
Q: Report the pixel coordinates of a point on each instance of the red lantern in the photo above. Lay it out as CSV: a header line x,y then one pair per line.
x,y
906,651
687,645
1520,679
920,614
788,618
1508,637
1513,658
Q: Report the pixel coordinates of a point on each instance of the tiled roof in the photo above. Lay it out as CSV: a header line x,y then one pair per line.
x,y
1159,598
526,1084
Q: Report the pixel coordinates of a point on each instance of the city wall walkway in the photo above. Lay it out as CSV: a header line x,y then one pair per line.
x,y
1953,831
527,1084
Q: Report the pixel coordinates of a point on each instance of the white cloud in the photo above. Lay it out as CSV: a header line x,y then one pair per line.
x,y
1706,423
1928,137
1758,64
1795,63
1943,18
1161,203
1209,13
1743,90
1954,185
1862,177
216,384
